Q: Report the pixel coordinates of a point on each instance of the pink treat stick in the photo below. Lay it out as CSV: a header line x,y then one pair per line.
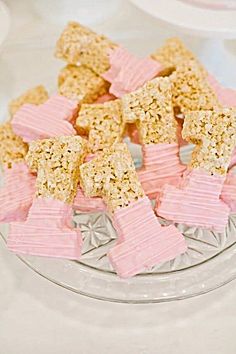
x,y
127,72
142,242
47,231
228,194
161,165
17,194
196,202
50,119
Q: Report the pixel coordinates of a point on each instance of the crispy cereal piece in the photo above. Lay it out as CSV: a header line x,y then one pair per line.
x,y
112,176
57,161
102,122
81,83
151,108
191,90
79,44
12,147
172,54
37,95
214,133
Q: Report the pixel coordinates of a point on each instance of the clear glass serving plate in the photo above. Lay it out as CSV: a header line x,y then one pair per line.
x,y
27,60
208,263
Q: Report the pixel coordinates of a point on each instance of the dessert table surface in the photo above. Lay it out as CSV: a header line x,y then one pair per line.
x,y
37,316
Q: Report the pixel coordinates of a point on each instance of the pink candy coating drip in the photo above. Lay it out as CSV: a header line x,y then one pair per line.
x,y
88,204
50,119
142,241
161,165
16,195
47,231
195,202
127,72
228,194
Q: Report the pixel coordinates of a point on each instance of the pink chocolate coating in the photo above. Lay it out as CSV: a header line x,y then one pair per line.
x,y
161,165
228,194
88,204
127,72
17,194
50,119
47,231
142,241
195,202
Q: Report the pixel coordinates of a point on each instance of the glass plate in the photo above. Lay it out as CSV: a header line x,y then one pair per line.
x,y
208,263
210,260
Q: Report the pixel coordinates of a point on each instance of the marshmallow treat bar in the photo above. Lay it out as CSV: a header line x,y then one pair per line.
x,y
48,230
37,95
80,44
142,242
214,133
150,107
16,195
112,175
81,83
102,123
191,90
172,54
196,201
12,147
57,162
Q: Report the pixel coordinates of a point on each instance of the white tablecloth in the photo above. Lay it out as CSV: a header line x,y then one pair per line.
x,y
39,317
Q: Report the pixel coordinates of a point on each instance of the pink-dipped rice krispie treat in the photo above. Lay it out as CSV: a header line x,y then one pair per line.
x,y
102,123
48,230
77,82
50,119
79,44
104,126
127,72
191,90
36,95
142,241
16,195
150,107
197,200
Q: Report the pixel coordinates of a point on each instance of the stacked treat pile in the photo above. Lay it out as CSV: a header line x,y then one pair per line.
x,y
66,152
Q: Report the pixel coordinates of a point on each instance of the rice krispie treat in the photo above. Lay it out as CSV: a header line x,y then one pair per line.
x,y
196,201
81,83
16,195
36,95
172,54
150,107
52,118
191,90
102,122
57,162
142,242
48,230
79,44
214,133
12,147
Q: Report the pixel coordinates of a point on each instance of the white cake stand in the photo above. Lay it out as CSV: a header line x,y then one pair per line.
x,y
216,26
